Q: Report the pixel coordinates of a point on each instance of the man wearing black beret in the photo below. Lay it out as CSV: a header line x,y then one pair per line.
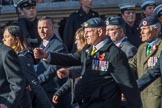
x,y
105,69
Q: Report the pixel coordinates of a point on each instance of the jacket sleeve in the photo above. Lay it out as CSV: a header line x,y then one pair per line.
x,y
14,76
50,72
125,79
65,88
75,71
150,76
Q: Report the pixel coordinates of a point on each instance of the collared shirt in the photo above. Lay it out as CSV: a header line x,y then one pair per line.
x,y
151,43
120,41
101,44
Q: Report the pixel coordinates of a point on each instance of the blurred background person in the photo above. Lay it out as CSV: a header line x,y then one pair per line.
x,y
128,14
27,20
158,13
13,37
147,7
74,22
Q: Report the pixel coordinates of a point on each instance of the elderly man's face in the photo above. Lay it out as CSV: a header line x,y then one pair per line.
x,y
147,33
91,35
149,10
115,32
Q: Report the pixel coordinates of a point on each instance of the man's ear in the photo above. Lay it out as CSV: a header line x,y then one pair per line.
x,y
99,31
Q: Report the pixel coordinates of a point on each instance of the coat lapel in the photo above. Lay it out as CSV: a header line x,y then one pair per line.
x,y
153,49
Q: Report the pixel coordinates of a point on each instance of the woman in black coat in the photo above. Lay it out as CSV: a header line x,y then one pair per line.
x,y
14,38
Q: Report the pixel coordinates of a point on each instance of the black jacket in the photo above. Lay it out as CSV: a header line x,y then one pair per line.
x,y
104,76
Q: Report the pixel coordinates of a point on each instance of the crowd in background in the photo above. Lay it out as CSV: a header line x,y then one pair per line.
x,y
95,62
10,2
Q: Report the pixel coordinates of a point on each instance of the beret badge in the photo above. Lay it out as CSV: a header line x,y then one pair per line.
x,y
144,23
107,22
85,24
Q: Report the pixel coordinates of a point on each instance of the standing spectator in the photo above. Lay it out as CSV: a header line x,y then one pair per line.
x,y
115,28
28,21
46,72
146,57
148,7
13,38
158,13
105,69
12,83
128,14
74,22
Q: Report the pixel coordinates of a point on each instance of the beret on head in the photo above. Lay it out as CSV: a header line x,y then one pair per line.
x,y
158,10
24,3
94,22
150,20
115,20
146,3
127,6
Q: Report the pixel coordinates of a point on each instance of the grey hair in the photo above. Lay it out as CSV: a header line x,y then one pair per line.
x,y
157,25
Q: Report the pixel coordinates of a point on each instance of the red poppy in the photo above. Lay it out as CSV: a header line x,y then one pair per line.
x,y
101,56
154,47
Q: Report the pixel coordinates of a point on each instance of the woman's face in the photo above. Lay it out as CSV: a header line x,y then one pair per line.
x,y
79,43
8,39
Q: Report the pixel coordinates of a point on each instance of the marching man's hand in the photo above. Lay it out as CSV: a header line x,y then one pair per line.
x,y
62,73
55,99
40,53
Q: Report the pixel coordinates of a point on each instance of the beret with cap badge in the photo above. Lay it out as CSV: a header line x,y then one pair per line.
x,y
94,22
115,20
150,20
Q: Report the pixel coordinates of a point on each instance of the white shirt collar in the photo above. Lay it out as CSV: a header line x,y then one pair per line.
x,y
101,44
120,41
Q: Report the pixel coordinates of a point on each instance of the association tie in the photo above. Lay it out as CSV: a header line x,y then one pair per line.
x,y
93,50
148,49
